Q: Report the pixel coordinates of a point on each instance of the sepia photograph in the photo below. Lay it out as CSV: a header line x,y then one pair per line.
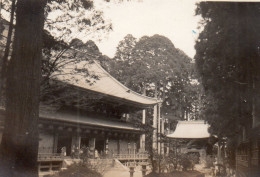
x,y
129,88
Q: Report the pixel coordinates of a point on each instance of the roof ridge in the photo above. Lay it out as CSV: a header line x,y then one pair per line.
x,y
122,85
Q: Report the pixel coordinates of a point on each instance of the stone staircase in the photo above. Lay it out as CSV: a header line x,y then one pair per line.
x,y
99,165
68,162
119,166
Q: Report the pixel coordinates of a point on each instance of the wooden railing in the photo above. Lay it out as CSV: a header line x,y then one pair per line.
x,y
50,157
131,156
48,167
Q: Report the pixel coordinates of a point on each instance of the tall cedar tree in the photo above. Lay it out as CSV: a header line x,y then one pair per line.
x,y
227,58
19,147
153,65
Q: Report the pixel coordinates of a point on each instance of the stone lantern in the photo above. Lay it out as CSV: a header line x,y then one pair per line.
x,y
132,170
144,170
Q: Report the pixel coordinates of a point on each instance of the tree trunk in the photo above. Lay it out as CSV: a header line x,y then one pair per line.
x,y
19,148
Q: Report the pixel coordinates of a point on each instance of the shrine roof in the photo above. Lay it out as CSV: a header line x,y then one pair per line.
x,y
102,83
190,130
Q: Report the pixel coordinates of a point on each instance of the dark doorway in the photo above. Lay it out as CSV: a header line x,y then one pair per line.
x,y
64,141
100,145
84,142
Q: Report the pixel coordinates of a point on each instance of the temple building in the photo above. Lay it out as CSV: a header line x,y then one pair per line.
x,y
85,106
248,146
195,135
94,112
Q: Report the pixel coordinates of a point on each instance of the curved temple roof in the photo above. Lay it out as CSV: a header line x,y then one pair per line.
x,y
105,83
190,130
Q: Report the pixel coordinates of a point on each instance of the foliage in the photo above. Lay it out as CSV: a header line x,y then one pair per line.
x,y
58,55
63,46
125,49
210,161
227,59
59,51
77,170
63,15
231,153
185,162
152,58
177,174
60,41
154,67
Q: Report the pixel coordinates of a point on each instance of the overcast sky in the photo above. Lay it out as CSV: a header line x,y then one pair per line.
x,y
174,19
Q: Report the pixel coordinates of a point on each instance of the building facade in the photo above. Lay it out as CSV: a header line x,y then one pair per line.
x,y
93,115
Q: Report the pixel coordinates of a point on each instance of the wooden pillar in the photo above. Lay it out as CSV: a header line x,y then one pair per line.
x,y
118,146
144,116
142,142
107,146
55,142
142,136
219,160
128,147
155,127
92,143
127,117
76,139
168,147
159,129
162,131
163,121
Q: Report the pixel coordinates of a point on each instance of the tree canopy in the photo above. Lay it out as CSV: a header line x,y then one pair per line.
x,y
154,67
227,59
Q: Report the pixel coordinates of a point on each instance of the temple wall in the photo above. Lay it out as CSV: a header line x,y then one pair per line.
x,y
112,146
127,147
1,134
2,117
124,146
46,143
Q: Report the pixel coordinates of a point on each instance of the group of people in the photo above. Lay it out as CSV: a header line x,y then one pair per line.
x,y
76,152
83,152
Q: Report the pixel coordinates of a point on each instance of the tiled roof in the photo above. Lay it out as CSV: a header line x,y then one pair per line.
x,y
105,83
190,130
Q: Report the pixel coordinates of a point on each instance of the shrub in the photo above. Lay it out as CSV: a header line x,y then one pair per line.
x,y
185,162
210,161
77,170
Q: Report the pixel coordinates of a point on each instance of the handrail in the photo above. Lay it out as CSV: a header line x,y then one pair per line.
x,y
130,156
49,156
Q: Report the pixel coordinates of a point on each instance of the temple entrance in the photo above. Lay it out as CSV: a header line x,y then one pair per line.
x,y
100,146
64,141
84,142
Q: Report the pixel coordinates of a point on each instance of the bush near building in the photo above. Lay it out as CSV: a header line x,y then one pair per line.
x,y
77,170
177,174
